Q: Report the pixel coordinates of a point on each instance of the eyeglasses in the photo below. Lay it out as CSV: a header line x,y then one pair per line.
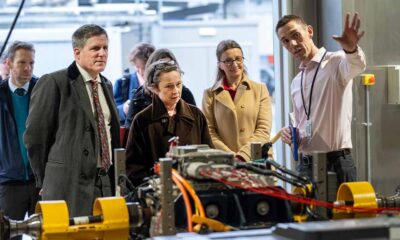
x,y
229,62
162,64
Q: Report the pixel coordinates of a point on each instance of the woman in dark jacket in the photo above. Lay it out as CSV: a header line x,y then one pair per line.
x,y
168,116
141,98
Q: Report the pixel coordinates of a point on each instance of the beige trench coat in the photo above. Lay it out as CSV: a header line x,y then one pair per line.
x,y
234,124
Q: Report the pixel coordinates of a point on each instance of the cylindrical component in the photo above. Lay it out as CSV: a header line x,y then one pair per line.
x,y
212,211
389,202
262,208
138,214
85,220
31,226
193,170
361,194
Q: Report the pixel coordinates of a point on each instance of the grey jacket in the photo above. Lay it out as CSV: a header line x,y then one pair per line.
x,y
62,140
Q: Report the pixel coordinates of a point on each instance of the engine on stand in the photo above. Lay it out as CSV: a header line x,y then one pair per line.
x,y
202,190
205,182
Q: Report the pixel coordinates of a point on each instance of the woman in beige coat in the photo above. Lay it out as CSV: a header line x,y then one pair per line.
x,y
238,110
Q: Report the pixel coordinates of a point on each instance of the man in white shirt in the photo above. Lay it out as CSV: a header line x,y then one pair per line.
x,y
322,94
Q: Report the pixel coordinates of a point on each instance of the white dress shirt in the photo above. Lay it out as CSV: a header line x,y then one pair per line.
x,y
104,107
331,102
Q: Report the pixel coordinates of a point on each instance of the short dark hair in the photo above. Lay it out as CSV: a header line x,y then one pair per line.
x,y
17,45
141,51
223,46
83,33
288,18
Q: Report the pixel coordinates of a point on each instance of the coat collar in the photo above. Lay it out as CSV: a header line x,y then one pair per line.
x,y
32,82
218,85
74,74
159,111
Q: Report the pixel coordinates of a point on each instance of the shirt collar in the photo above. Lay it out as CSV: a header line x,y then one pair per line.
x,y
86,76
13,87
220,85
317,58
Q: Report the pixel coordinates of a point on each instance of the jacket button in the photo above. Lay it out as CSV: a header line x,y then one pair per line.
x,y
241,130
85,152
82,175
87,128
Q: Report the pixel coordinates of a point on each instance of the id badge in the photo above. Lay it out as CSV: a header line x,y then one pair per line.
x,y
308,129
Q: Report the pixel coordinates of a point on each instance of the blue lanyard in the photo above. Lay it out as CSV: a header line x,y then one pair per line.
x,y
312,87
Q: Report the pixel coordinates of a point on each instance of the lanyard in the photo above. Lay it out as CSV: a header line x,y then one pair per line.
x,y
312,87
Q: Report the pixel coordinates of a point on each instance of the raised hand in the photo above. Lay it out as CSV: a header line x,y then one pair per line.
x,y
350,36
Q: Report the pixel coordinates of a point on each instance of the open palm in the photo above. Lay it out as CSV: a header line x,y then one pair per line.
x,y
350,36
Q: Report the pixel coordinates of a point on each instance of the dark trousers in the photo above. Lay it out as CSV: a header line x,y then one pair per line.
x,y
17,199
102,185
340,162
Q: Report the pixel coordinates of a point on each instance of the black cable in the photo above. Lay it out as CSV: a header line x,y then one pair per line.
x,y
12,27
287,171
266,172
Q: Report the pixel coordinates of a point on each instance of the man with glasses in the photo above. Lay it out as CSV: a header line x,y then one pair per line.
x,y
322,94
238,110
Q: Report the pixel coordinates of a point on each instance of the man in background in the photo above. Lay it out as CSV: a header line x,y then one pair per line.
x,y
18,194
4,70
123,87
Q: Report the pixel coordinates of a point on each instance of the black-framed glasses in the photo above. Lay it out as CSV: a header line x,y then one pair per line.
x,y
229,61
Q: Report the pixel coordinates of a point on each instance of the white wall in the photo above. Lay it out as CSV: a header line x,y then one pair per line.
x,y
54,49
194,44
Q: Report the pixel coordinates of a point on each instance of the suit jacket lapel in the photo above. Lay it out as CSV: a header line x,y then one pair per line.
x,y
110,101
83,98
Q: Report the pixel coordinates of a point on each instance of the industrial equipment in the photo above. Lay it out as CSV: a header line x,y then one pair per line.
x,y
211,192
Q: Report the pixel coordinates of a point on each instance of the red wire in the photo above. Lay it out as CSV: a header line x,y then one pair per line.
x,y
249,182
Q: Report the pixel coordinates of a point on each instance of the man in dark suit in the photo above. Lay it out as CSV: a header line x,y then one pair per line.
x,y
18,194
73,126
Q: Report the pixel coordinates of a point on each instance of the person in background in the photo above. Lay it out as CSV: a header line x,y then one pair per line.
x,y
143,96
124,87
18,193
322,94
168,116
4,69
73,126
238,110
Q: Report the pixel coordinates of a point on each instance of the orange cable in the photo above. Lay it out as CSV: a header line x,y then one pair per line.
x,y
191,191
187,203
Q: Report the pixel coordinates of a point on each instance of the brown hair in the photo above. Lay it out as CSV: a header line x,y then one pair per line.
x,y
83,33
288,18
221,48
141,51
17,45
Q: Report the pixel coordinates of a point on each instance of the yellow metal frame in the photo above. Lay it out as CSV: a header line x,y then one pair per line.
x,y
55,221
362,194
